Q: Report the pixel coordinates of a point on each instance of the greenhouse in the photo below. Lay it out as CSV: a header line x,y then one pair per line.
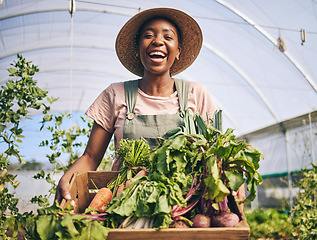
x,y
258,61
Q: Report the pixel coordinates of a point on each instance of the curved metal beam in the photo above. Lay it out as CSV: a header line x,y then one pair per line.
x,y
117,74
14,53
271,39
63,10
74,70
245,77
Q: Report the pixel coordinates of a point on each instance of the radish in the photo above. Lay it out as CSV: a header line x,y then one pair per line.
x,y
226,219
201,221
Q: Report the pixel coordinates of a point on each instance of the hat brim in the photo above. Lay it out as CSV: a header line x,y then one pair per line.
x,y
191,35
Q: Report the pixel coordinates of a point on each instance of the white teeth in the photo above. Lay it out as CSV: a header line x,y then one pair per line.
x,y
157,54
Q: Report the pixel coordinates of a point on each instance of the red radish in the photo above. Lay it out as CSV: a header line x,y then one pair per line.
x,y
201,221
226,219
101,199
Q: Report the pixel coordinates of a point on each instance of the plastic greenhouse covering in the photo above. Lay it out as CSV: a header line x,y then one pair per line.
x,y
258,61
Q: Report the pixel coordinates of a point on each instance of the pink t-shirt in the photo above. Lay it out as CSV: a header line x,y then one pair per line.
x,y
109,109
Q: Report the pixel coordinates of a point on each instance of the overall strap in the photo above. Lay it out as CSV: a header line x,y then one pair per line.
x,y
131,93
182,87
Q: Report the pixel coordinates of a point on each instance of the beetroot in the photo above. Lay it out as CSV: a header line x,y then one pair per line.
x,y
226,219
201,221
179,224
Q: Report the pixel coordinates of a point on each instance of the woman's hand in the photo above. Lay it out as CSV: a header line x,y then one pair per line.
x,y
62,191
98,142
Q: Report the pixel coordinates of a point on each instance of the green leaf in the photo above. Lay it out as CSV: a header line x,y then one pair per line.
x,y
162,206
94,230
223,191
12,71
67,223
46,227
235,180
212,186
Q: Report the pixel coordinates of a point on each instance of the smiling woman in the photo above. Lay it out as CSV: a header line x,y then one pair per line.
x,y
158,47
155,44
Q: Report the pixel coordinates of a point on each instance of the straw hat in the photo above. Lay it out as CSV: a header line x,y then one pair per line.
x,y
191,35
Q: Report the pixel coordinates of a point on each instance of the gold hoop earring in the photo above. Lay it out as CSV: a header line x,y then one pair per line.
x,y
177,57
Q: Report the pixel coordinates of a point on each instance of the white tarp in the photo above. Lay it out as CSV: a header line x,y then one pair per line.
x,y
253,82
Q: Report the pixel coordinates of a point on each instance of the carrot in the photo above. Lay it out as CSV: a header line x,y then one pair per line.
x,y
127,183
141,173
101,199
120,188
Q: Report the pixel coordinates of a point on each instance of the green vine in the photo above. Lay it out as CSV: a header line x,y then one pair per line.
x,y
305,209
18,97
64,142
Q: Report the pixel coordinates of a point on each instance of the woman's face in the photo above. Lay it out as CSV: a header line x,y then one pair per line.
x,y
158,46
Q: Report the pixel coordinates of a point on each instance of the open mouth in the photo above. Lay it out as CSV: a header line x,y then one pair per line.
x,y
157,55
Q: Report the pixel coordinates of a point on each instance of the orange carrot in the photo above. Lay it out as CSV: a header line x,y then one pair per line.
x,y
120,188
127,183
141,173
101,199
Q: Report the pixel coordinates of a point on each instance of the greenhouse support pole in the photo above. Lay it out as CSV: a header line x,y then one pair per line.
x,y
311,139
288,162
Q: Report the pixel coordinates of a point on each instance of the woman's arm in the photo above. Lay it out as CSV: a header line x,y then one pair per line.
x,y
97,144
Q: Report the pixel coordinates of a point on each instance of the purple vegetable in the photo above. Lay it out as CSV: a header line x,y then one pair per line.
x,y
226,219
201,221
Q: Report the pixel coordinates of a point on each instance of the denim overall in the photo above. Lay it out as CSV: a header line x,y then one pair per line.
x,y
150,127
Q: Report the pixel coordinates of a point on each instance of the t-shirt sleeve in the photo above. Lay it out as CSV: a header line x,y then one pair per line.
x,y
102,110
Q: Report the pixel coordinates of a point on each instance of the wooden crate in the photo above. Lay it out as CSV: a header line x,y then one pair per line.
x,y
81,188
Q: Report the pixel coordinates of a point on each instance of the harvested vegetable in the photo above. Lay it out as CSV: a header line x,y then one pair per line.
x,y
180,224
56,223
141,173
146,198
119,190
201,221
216,159
127,183
227,219
133,156
101,199
190,174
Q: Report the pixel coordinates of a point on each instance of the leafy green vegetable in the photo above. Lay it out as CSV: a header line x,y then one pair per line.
x,y
146,198
236,163
133,156
56,223
197,163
